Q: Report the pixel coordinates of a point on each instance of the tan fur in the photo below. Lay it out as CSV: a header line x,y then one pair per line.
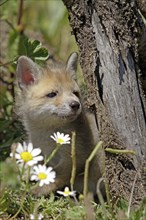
x,y
42,116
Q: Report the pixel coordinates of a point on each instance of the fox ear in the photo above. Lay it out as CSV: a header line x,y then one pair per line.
x,y
71,64
26,71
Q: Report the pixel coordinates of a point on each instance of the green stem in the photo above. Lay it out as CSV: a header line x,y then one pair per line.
x,y
107,191
131,195
22,172
73,156
86,174
117,151
53,153
100,197
26,190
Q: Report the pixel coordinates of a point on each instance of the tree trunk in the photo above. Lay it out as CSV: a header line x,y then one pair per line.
x,y
106,34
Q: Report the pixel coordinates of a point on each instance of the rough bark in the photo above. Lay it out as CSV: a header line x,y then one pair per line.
x,y
106,34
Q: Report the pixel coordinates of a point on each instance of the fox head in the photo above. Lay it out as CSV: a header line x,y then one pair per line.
x,y
50,94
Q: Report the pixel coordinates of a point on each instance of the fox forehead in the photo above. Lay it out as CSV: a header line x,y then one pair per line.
x,y
57,80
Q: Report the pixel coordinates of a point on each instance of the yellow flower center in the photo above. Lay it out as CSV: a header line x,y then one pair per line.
x,y
42,176
66,192
60,141
26,156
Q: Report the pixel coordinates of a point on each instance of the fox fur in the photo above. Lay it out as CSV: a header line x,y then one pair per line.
x,y
48,100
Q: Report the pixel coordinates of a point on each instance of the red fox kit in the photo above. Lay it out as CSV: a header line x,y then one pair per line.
x,y
48,100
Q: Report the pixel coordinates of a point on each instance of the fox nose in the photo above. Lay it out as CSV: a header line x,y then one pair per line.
x,y
75,105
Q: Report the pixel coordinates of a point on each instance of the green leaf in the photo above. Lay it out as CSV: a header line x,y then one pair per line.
x,y
32,49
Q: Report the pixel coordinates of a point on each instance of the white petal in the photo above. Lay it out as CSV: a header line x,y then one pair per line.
x,y
36,169
48,180
31,162
67,135
53,138
38,158
72,193
41,183
53,174
36,152
66,195
66,189
45,181
55,135
19,148
30,147
58,134
33,177
17,156
49,169
24,146
40,216
60,192
51,177
63,135
42,168
52,180
39,166
31,217
11,154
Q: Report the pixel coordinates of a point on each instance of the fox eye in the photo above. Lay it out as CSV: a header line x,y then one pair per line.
x,y
51,94
76,93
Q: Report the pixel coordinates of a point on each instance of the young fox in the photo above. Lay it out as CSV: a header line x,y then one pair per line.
x,y
48,100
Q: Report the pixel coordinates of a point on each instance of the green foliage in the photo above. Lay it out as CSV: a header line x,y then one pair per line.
x,y
8,174
54,207
10,130
32,49
17,201
20,44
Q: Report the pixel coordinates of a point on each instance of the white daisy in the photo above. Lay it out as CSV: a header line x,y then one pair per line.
x,y
44,174
66,192
26,154
61,138
39,216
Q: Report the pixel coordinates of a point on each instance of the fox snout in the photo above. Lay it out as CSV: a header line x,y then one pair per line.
x,y
73,110
74,106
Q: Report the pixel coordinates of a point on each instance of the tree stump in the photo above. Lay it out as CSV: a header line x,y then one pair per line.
x,y
107,36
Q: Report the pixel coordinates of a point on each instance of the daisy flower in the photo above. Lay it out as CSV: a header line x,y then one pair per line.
x,y
44,174
39,217
61,138
26,154
66,192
